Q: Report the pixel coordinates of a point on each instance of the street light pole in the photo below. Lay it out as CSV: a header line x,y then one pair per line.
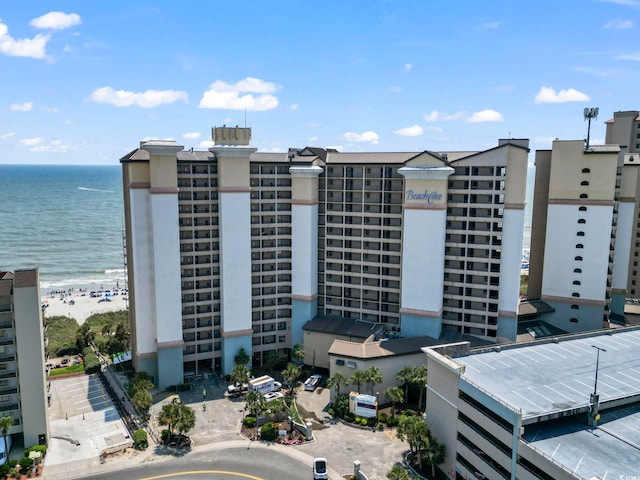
x,y
594,416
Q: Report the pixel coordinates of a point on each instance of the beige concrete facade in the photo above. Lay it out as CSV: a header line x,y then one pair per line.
x,y
23,390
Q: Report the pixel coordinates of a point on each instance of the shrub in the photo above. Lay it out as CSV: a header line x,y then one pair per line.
x,y
371,421
383,417
407,413
268,432
364,421
341,406
249,421
91,362
331,411
140,439
380,426
164,436
393,422
4,470
36,448
25,463
13,463
357,420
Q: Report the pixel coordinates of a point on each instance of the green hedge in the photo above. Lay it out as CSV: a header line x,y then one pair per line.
x,y
91,362
36,448
268,432
140,439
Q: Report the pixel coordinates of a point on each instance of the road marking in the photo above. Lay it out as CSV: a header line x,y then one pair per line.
x,y
203,472
391,434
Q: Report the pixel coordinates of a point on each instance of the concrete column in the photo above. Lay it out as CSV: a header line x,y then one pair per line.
x,y
423,237
233,152
304,248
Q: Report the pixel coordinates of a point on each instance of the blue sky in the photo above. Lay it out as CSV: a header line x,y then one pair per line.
x,y
84,82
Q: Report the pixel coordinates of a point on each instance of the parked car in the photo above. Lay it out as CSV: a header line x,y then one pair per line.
x,y
320,469
272,396
311,383
236,389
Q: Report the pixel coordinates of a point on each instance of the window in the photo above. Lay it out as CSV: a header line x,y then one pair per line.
x,y
574,320
579,245
575,294
577,270
339,361
352,364
582,209
575,307
582,220
580,234
584,195
586,170
584,183
578,258
576,282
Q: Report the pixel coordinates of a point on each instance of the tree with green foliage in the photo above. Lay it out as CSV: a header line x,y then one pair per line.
x,y
277,407
420,379
395,396
291,373
255,403
398,473
5,425
140,439
415,432
142,401
240,375
242,357
297,353
374,376
85,336
405,376
358,379
107,330
121,339
177,416
335,381
434,454
270,359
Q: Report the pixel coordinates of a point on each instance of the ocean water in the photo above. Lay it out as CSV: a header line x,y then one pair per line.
x,y
67,220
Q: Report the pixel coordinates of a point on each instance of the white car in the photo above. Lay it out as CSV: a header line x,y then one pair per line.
x,y
272,396
320,469
311,383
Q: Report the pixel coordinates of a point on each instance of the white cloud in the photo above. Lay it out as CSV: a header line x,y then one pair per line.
x,y
4,136
487,115
549,95
21,107
364,137
31,141
630,56
618,24
294,106
26,47
412,131
436,116
488,26
435,129
56,20
55,146
206,144
626,3
312,139
407,67
224,96
148,99
191,135
394,89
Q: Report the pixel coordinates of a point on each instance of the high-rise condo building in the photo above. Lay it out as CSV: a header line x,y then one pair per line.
x,y
23,394
232,248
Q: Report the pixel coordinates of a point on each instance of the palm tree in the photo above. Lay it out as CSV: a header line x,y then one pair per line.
x,y
106,330
168,415
297,354
417,435
405,376
240,375
185,419
398,473
242,357
256,404
5,424
420,378
395,396
291,374
358,378
335,381
374,376
434,454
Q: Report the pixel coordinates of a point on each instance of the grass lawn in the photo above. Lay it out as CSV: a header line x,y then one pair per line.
x,y
66,370
99,320
61,331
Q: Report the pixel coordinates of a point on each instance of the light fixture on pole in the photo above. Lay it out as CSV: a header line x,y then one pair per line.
x,y
594,416
590,113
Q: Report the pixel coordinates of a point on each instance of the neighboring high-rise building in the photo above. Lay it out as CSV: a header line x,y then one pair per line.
x,y
23,394
624,129
234,248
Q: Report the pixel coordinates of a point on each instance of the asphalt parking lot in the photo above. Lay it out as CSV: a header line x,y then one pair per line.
x,y
217,427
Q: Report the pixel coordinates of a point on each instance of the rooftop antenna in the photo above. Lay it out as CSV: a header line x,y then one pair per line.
x,y
590,113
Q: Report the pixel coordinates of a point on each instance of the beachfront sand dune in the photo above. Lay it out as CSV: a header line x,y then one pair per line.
x,y
80,305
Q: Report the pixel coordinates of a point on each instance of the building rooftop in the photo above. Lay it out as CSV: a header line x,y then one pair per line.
x,y
551,377
346,327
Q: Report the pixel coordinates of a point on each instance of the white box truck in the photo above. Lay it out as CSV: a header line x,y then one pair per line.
x,y
264,384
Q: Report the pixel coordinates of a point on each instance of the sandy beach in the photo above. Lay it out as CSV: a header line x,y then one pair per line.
x,y
80,305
